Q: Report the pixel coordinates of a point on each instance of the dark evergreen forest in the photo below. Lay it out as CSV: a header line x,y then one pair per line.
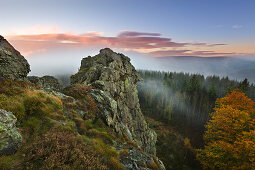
x,y
184,100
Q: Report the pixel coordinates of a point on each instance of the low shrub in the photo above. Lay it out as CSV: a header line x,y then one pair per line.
x,y
39,103
114,164
84,101
104,149
12,88
94,133
123,153
13,104
23,100
61,149
32,123
78,91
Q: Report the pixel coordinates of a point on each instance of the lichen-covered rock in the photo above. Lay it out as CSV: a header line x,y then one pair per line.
x,y
46,82
12,64
10,137
115,79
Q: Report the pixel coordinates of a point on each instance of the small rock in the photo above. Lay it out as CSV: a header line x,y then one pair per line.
x,y
10,138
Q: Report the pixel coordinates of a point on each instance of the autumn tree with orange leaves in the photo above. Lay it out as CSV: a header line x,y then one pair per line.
x,y
230,135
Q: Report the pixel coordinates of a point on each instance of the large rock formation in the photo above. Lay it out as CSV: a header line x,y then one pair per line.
x,y
10,138
12,64
115,78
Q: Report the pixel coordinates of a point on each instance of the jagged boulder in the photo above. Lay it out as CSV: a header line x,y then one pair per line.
x,y
46,82
115,79
12,64
10,137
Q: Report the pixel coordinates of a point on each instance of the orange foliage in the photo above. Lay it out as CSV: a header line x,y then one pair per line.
x,y
230,135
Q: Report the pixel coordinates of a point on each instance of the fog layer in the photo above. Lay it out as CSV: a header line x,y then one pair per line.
x,y
68,62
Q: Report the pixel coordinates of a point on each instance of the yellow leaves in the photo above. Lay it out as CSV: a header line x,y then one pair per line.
x,y
236,100
230,135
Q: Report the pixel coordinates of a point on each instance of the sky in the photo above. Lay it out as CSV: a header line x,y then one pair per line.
x,y
154,28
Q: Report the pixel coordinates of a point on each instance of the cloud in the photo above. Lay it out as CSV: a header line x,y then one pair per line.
x,y
205,44
135,34
237,26
147,43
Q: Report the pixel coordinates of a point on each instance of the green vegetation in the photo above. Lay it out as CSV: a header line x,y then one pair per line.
x,y
18,98
55,136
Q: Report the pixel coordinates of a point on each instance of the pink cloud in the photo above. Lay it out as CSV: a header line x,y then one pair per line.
x,y
128,40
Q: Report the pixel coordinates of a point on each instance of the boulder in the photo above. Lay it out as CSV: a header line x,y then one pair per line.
x,y
10,138
12,64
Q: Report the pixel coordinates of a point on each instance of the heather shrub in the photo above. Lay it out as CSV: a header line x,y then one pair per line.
x,y
11,87
110,155
80,124
39,103
123,153
78,91
23,100
13,104
61,149
114,164
32,123
33,105
94,133
83,102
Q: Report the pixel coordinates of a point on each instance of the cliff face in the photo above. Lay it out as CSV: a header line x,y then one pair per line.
x,y
12,64
115,78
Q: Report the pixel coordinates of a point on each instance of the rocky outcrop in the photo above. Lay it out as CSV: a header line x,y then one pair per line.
x,y
115,79
10,137
12,64
46,82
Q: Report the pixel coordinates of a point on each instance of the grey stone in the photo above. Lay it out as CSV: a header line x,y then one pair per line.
x,y
10,138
